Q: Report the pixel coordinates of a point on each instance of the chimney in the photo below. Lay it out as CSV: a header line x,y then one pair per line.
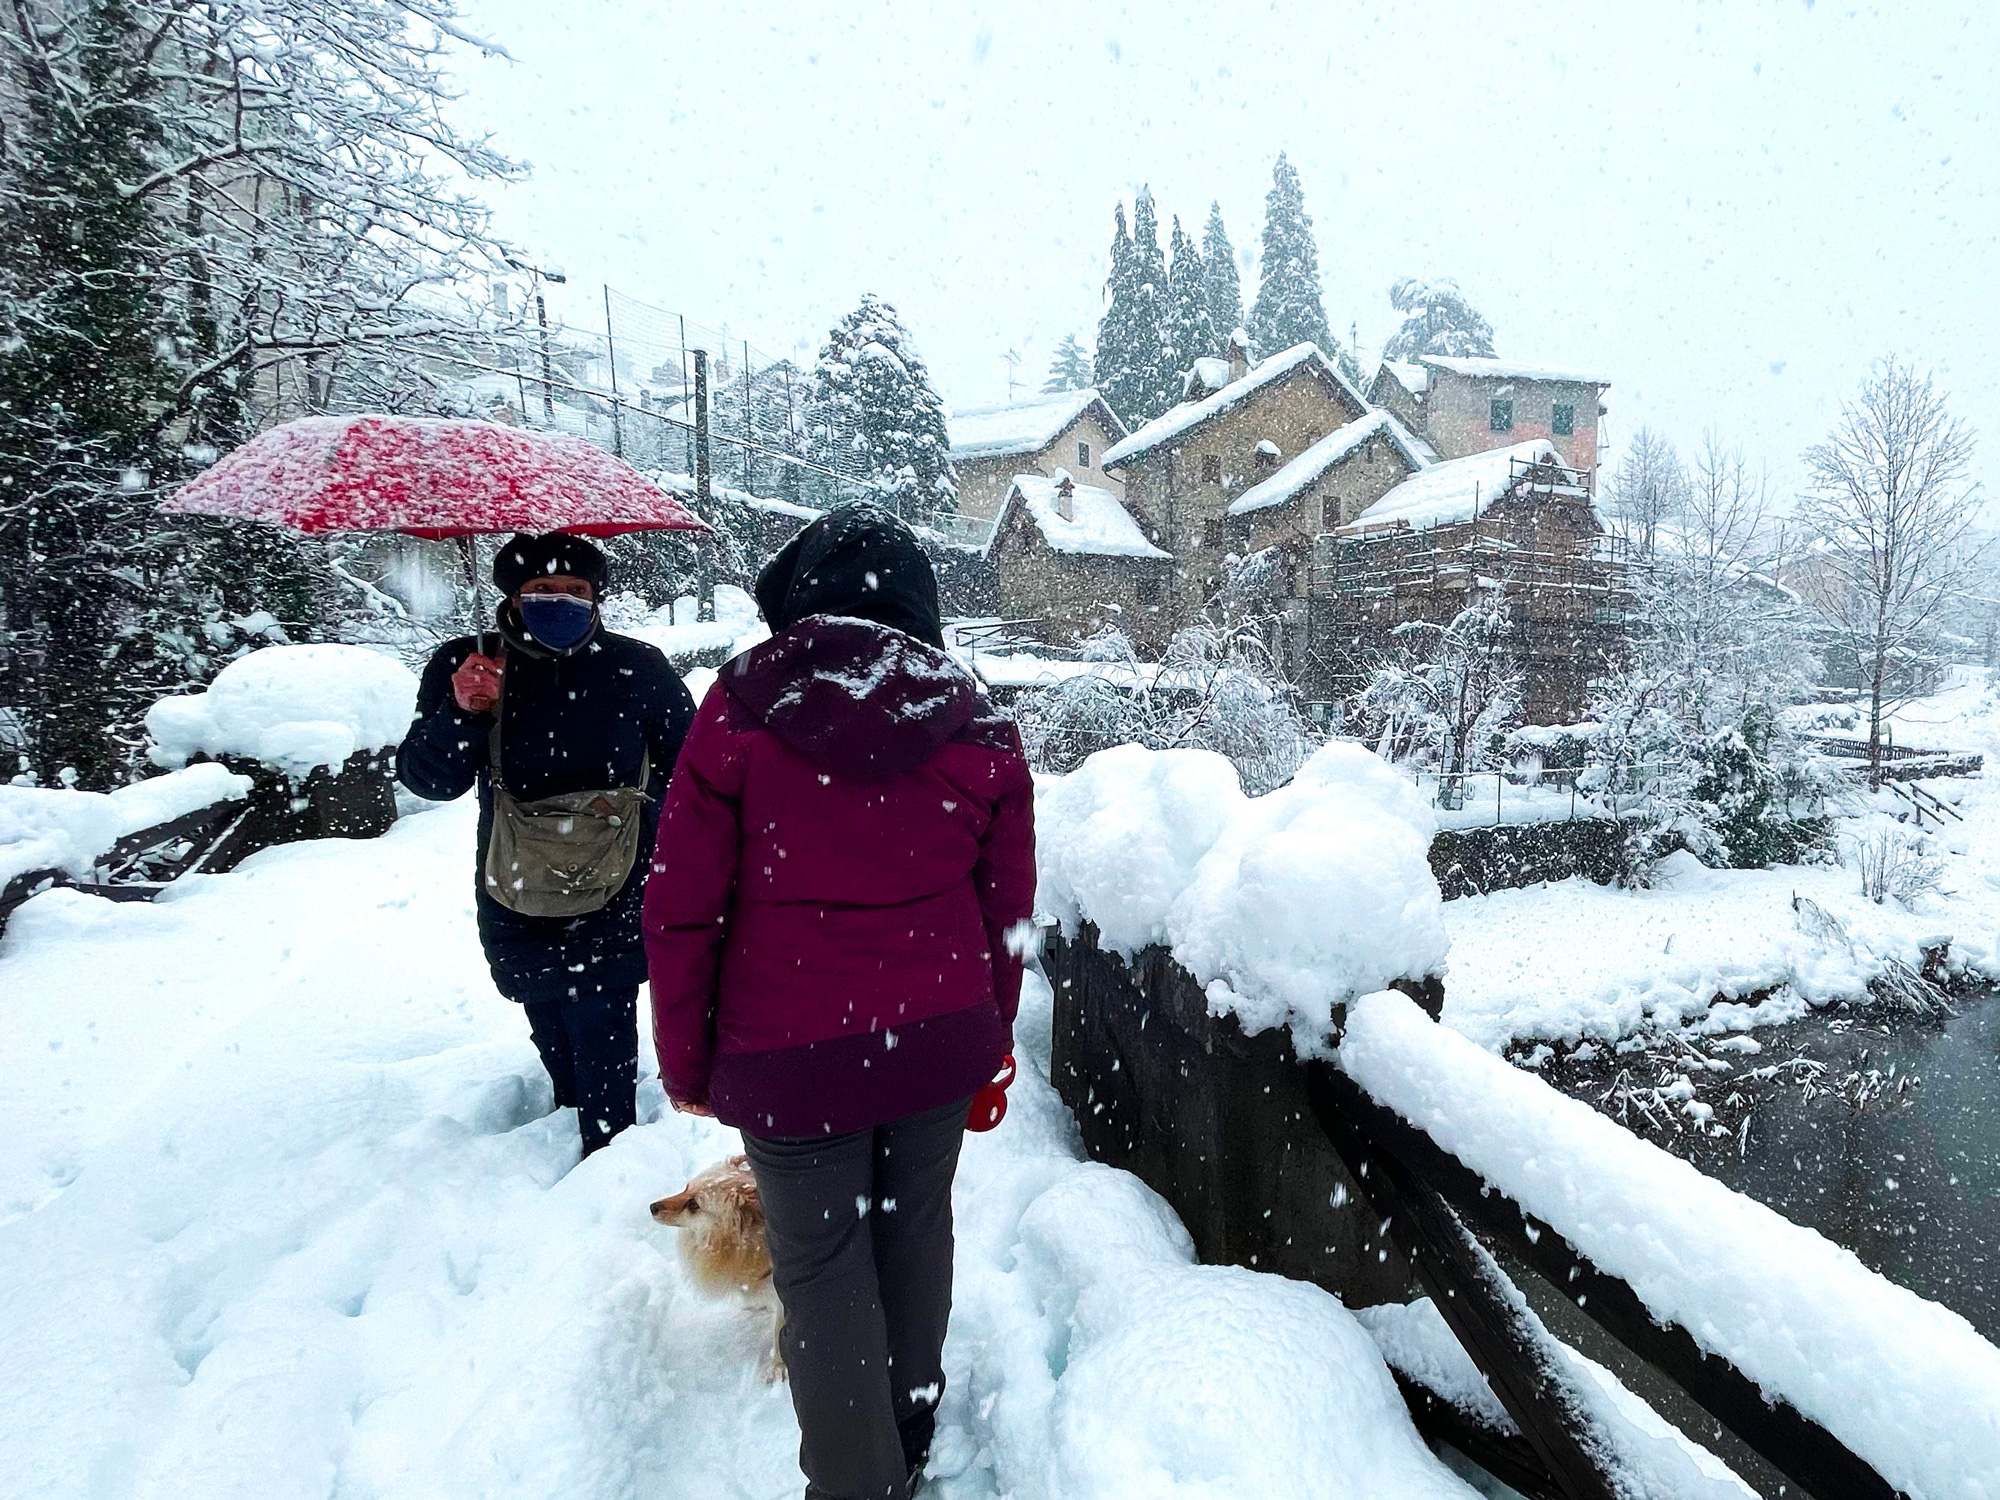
x,y
1239,354
1065,495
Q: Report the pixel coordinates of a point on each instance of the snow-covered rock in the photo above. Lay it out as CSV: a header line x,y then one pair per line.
x,y
1284,905
293,707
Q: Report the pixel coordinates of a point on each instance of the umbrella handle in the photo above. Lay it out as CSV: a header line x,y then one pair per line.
x,y
468,552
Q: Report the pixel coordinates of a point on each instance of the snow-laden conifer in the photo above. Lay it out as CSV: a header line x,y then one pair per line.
x,y
877,417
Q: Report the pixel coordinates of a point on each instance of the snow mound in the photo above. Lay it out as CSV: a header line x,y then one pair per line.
x,y
1284,905
1905,1383
294,707
46,829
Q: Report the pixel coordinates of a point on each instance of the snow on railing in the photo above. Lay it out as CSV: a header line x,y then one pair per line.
x,y
1820,1364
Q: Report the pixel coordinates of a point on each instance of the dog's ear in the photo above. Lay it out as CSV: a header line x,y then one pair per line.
x,y
672,1210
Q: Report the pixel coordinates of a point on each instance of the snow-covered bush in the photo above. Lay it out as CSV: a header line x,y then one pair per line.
x,y
294,707
1285,905
1749,783
1441,695
1213,690
1896,864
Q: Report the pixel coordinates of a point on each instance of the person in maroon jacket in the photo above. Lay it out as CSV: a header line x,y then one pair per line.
x,y
833,920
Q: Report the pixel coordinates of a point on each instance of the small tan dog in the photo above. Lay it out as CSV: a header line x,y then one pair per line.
x,y
722,1244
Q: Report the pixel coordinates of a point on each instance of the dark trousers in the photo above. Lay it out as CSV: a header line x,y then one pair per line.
x,y
861,1245
590,1046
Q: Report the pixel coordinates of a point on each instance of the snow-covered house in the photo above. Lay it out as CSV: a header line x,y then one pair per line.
x,y
1071,556
1461,406
1514,526
1185,468
1070,430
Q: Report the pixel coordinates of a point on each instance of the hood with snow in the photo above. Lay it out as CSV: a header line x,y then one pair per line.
x,y
859,562
858,697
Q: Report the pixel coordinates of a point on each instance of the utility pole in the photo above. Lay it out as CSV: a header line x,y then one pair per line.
x,y
1012,358
611,357
704,607
749,474
542,318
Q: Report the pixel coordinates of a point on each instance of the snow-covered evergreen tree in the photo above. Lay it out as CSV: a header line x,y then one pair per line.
x,y
1219,279
873,402
213,216
1290,308
1134,369
86,371
1070,369
1190,333
1436,320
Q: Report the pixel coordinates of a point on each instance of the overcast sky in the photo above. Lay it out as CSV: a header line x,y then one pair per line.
x,y
1727,210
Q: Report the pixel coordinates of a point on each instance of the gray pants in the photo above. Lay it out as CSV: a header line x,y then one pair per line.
x,y
861,1247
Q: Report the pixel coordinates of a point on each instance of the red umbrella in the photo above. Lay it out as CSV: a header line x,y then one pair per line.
x,y
429,477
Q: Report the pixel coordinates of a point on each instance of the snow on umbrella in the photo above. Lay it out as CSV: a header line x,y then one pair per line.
x,y
429,477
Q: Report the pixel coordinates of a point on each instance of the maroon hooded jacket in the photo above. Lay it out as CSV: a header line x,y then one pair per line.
x,y
846,843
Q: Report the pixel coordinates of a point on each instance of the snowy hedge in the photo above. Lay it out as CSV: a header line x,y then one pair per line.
x,y
293,707
1283,905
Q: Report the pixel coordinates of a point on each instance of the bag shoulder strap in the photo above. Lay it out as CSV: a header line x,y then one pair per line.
x,y
499,713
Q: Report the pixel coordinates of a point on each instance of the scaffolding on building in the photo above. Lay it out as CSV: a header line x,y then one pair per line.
x,y
1535,548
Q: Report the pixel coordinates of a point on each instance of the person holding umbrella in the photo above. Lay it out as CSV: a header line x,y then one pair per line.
x,y
570,733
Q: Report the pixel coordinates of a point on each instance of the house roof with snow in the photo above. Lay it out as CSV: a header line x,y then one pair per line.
x,y
1505,369
1019,427
1455,491
1413,378
1290,481
1191,414
1205,377
1098,524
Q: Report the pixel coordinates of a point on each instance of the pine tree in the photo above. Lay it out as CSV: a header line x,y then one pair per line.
x,y
1289,308
85,375
1070,369
1219,279
1153,355
873,404
1436,320
1121,376
1191,334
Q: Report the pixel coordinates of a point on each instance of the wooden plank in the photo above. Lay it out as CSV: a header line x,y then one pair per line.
x,y
1483,1311
1505,1455
1789,1441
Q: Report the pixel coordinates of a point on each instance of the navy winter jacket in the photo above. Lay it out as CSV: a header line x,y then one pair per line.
x,y
573,724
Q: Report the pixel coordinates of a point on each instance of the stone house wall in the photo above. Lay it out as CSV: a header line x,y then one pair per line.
x,y
1077,594
1180,491
983,482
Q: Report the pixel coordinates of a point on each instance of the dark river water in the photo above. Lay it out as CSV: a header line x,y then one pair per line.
x,y
1910,1179
1895,1154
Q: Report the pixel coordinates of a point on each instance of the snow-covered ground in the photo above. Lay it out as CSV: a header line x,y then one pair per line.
x,y
1573,960
284,1212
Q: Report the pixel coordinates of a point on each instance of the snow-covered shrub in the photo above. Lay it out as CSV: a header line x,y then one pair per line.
x,y
1284,905
1749,782
294,707
1441,695
1213,690
1896,864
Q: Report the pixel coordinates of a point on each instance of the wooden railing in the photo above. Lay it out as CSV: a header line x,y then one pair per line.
x,y
1296,1169
1438,1210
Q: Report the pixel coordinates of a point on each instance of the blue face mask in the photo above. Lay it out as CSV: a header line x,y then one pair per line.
x,y
558,621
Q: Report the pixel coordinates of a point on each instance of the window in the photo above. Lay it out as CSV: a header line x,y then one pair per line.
x,y
1329,513
1083,455
1562,419
1215,534
1500,414
1211,468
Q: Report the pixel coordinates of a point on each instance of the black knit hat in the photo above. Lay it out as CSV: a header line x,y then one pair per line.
x,y
523,557
857,561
